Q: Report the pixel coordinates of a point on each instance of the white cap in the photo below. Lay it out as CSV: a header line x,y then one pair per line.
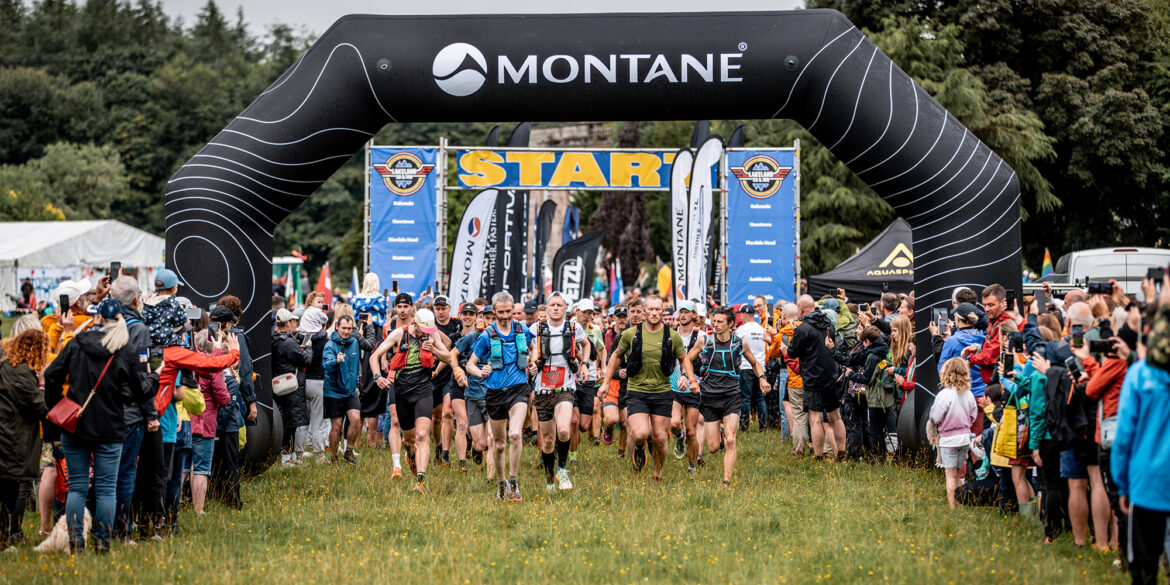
x,y
73,288
586,305
685,305
425,320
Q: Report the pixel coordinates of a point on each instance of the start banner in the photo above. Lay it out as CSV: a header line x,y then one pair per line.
x,y
558,169
761,225
402,217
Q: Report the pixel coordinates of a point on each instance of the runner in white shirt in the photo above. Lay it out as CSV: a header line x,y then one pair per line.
x,y
556,369
754,339
686,404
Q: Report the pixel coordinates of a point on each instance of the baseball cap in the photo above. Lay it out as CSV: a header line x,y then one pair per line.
x,y
425,320
222,314
74,289
747,309
668,311
467,308
441,301
618,311
686,306
284,316
530,307
586,305
109,308
487,310
166,278
403,299
967,311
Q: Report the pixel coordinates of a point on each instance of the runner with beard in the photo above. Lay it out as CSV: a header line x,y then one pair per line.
x,y
559,363
504,346
684,418
442,421
653,351
613,392
403,317
415,350
585,401
720,401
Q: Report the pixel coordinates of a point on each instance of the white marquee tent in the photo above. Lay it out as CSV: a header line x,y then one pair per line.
x,y
47,252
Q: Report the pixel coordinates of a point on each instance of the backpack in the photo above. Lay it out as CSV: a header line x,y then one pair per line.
x,y
634,362
734,356
879,390
496,359
426,358
568,345
1056,412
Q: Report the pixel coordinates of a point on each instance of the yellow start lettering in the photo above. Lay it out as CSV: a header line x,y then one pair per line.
x,y
483,168
579,167
530,165
623,166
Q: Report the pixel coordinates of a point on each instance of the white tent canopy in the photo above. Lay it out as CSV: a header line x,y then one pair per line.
x,y
73,249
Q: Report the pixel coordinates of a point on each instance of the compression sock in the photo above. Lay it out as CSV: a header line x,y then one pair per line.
x,y
421,476
397,460
562,453
549,460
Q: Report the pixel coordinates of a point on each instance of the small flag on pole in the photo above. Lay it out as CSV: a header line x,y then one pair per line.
x,y
1046,269
325,284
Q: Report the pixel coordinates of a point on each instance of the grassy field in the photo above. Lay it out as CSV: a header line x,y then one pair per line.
x,y
784,521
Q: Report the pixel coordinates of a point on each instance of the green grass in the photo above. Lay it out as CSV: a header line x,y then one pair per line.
x,y
784,521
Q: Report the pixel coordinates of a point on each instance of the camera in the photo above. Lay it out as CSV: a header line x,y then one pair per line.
x,y
1016,342
1100,288
1100,346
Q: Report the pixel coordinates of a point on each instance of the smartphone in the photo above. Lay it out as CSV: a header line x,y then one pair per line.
x,y
385,292
863,307
1041,301
213,327
1074,369
1078,335
194,313
1011,296
115,268
1016,342
1100,288
63,303
1100,346
885,287
394,286
1155,273
939,316
361,317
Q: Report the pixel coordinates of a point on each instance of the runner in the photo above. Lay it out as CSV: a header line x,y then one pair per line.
x,y
684,418
342,364
720,399
442,420
504,346
586,402
653,351
415,350
560,356
613,392
403,317
457,395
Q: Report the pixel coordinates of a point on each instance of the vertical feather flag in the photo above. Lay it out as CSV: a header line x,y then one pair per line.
x,y
1046,269
325,284
353,284
621,295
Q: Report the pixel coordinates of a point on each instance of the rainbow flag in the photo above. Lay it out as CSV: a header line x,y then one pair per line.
x,y
1046,268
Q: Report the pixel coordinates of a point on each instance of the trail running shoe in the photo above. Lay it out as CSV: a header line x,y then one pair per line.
x,y
680,447
572,458
463,466
563,479
350,458
396,474
607,436
550,487
514,491
418,488
692,468
502,491
639,457
477,457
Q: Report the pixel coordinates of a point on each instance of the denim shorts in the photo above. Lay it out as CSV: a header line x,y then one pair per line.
x,y
1070,468
202,450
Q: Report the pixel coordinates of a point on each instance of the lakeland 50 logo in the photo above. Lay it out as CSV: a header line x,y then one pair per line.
x,y
460,69
404,173
760,176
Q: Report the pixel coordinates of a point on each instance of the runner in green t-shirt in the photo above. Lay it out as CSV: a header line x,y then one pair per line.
x,y
648,396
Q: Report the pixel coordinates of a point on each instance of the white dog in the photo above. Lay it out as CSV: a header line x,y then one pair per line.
x,y
58,539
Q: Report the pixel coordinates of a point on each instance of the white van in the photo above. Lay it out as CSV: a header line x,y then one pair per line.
x,y
1127,265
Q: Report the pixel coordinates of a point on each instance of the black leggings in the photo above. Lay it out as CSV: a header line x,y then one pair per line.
x,y
154,470
225,469
1055,489
11,509
1147,535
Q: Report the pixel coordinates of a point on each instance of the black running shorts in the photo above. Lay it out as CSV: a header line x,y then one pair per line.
x,y
654,404
713,407
687,399
413,406
500,402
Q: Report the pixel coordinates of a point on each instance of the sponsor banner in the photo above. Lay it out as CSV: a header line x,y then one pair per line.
x,y
544,221
510,244
680,177
761,225
467,260
574,265
701,205
402,216
531,169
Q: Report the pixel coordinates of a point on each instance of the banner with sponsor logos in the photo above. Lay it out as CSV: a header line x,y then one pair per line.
x,y
467,260
702,204
761,225
403,185
680,175
574,264
556,169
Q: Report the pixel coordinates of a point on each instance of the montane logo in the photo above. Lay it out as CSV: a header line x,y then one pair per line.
x,y
455,69
461,69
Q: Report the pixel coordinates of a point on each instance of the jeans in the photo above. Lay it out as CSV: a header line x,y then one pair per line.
x,y
106,457
127,476
180,464
749,388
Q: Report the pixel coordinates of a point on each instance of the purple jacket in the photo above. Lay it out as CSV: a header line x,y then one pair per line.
x,y
954,413
215,395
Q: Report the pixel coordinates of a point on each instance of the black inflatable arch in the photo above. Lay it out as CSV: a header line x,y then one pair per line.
x,y
812,66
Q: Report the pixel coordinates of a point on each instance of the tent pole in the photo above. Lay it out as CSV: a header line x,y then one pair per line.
x,y
796,211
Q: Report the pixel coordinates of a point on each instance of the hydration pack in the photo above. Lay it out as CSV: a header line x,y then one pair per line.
x,y
425,358
568,345
729,359
496,359
634,361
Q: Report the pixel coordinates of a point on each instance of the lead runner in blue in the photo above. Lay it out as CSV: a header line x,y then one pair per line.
x,y
504,346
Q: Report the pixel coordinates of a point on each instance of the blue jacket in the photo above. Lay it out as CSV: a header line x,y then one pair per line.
x,y
341,377
953,347
1140,459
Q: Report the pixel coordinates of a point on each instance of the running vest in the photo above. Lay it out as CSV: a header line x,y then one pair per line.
x,y
634,361
721,361
568,345
426,359
696,363
496,359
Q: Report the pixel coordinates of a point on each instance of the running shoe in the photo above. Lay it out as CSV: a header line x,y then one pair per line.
x,y
680,446
418,488
563,479
514,491
477,456
396,474
607,435
350,458
621,453
692,468
502,491
639,457
572,458
463,466
550,487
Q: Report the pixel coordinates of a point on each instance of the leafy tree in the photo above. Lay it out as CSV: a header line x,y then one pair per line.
x,y
19,206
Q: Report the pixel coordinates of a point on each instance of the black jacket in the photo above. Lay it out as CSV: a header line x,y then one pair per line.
x,y
80,364
22,404
289,357
818,367
874,354
139,342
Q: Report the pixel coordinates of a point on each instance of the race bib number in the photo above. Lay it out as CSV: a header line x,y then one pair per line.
x,y
553,377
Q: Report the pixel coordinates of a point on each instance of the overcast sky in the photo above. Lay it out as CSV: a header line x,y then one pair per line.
x,y
317,15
